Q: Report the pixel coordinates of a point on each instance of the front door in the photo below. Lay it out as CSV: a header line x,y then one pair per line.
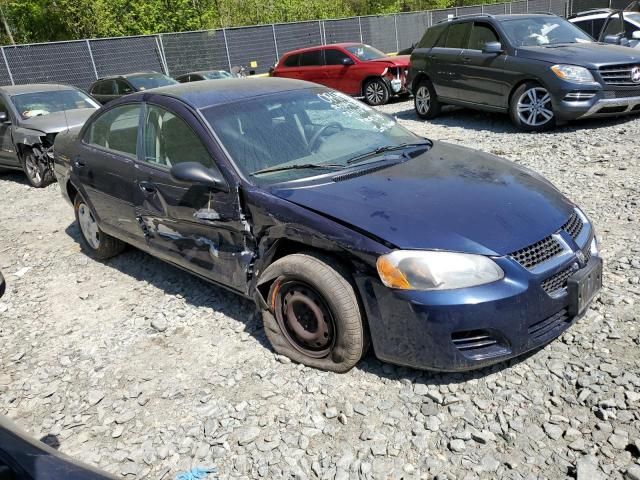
x,y
8,154
335,70
188,225
483,74
104,166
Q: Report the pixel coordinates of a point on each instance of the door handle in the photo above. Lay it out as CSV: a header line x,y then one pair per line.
x,y
466,59
147,187
79,164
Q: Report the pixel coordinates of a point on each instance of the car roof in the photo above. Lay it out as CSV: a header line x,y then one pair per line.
x,y
34,88
128,75
499,18
322,47
206,94
200,72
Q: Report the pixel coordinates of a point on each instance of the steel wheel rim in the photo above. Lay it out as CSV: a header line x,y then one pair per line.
x,y
32,169
375,92
423,100
534,107
304,318
88,226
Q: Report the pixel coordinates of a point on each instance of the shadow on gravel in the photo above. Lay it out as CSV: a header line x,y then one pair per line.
x,y
500,123
15,176
174,281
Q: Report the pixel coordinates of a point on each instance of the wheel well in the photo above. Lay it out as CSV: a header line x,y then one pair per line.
x,y
416,81
71,191
372,77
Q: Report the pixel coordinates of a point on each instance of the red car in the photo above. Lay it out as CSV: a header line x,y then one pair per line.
x,y
353,68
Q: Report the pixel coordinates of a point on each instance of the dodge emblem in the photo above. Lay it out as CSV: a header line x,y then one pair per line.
x,y
635,74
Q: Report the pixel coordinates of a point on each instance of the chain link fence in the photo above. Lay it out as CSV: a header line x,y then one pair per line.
x,y
257,48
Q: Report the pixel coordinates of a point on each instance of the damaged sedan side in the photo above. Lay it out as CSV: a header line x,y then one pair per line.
x,y
30,118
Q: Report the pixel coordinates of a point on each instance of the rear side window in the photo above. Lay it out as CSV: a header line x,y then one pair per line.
x,y
292,61
457,35
430,36
105,88
311,59
481,34
116,129
123,87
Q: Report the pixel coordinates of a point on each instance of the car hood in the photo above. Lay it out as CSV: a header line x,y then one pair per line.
x,y
590,55
398,60
58,121
449,198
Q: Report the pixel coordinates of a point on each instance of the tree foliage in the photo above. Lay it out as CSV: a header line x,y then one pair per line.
x,y
50,20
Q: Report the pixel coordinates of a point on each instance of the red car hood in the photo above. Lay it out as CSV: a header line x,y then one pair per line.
x,y
398,60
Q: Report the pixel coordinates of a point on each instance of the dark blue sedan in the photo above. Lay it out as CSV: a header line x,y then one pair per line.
x,y
345,228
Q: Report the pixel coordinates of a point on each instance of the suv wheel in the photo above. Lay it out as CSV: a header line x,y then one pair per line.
x,y
376,92
425,100
531,108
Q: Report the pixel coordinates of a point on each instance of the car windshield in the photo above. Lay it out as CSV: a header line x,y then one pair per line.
x,y
365,52
43,103
216,74
302,133
544,30
145,81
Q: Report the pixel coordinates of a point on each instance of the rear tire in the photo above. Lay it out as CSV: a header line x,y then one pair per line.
x,y
425,100
531,108
376,92
94,242
38,175
313,315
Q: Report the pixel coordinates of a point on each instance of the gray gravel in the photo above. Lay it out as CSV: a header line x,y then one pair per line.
x,y
144,370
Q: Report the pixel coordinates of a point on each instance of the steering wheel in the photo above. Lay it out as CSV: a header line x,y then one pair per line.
x,y
319,133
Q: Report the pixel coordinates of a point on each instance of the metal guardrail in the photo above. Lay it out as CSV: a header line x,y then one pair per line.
x,y
81,62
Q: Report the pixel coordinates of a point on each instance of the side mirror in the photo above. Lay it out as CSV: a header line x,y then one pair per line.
x,y
4,118
346,61
492,47
636,35
197,174
612,39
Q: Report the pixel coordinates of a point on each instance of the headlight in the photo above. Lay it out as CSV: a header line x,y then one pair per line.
x,y
422,270
573,73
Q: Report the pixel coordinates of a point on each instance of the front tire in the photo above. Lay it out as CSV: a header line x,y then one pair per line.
x,y
376,92
313,315
531,108
94,242
425,101
38,174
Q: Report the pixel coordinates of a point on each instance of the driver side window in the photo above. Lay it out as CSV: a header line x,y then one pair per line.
x,y
169,140
481,34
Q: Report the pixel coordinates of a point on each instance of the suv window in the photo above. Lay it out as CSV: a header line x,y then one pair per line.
x,y
292,60
430,36
457,35
311,59
481,34
106,87
123,87
169,140
116,129
333,56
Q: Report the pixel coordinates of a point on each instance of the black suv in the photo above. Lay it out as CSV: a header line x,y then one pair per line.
x,y
109,88
538,67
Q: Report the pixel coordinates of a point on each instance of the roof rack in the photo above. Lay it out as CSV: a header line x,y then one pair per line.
x,y
456,17
592,12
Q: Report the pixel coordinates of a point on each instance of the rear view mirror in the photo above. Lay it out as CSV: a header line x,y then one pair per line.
x,y
197,174
636,35
346,61
492,47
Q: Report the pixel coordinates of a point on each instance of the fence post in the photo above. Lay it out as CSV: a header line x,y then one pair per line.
x,y
275,41
395,22
163,58
360,27
8,69
95,70
320,29
226,46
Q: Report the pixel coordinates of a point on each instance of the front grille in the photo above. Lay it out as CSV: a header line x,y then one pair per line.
x,y
558,281
479,344
573,226
618,74
537,253
545,328
622,93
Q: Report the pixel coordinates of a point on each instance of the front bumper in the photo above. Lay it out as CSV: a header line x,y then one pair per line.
x,y
468,328
574,102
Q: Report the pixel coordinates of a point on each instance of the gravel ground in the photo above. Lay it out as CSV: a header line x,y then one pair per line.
x,y
144,370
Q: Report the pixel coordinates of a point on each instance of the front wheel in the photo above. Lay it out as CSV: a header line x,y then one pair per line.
x,y
94,241
38,174
313,314
376,92
531,108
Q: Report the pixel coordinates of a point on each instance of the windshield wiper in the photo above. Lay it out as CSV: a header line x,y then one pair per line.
x,y
387,148
300,166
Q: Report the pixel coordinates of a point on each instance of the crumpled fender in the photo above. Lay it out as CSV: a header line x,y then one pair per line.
x,y
27,136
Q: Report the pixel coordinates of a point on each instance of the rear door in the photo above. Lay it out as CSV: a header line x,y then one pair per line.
x,y
482,76
103,167
8,154
189,225
312,67
289,68
445,60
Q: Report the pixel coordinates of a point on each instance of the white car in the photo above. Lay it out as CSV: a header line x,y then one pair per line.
x,y
604,22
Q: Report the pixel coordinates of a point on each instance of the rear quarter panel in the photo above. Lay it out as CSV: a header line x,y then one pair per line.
x,y
63,151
